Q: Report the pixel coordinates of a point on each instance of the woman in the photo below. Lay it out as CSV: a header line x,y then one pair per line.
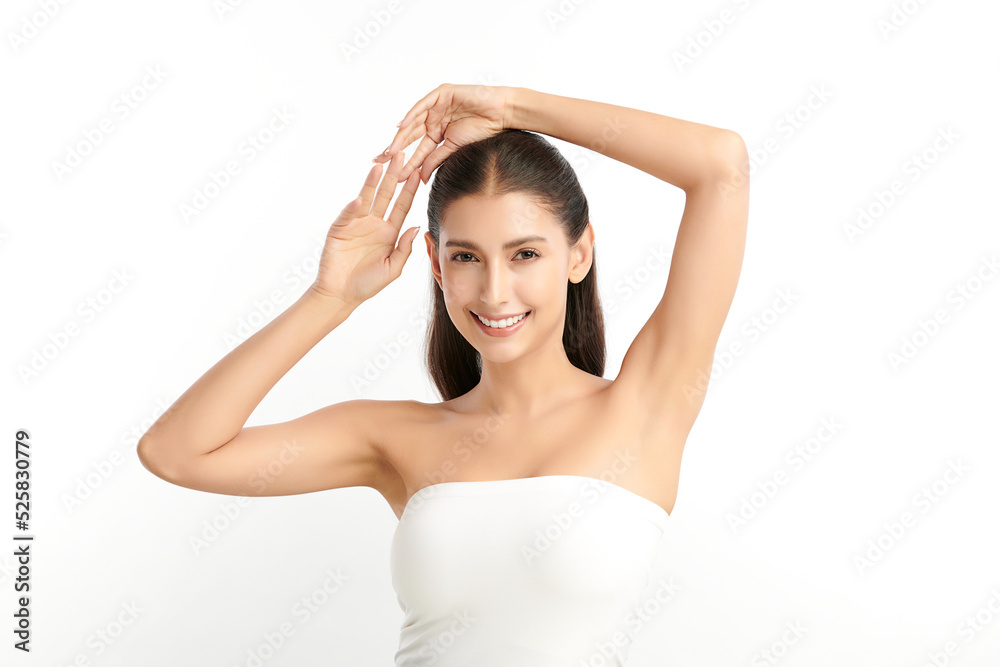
x,y
533,498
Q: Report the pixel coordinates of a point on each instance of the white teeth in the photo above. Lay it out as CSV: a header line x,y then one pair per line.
x,y
502,324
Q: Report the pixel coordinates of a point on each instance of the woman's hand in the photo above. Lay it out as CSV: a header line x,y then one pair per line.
x,y
361,255
454,114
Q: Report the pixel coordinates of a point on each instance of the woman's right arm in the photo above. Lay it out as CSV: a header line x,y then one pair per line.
x,y
200,442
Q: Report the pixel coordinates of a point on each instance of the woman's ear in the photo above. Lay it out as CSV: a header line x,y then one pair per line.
x,y
433,257
582,255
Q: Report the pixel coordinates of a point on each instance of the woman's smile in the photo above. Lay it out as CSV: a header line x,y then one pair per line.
x,y
503,329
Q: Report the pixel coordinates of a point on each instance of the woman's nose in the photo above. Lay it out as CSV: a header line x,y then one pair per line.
x,y
496,286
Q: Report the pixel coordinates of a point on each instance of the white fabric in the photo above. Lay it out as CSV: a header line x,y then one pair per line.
x,y
528,572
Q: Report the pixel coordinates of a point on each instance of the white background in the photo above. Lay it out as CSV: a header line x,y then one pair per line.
x,y
109,534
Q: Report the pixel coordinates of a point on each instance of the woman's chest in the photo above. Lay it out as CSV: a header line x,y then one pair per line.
x,y
599,437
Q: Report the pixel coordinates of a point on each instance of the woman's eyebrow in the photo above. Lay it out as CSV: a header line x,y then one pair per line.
x,y
506,246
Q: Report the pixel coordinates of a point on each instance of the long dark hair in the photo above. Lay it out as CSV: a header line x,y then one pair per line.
x,y
512,161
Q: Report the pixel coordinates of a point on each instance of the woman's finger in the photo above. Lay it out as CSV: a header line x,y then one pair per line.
x,y
422,151
439,155
403,201
429,100
368,189
411,127
404,137
401,139
388,186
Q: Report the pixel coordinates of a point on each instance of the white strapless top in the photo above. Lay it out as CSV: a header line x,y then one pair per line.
x,y
529,572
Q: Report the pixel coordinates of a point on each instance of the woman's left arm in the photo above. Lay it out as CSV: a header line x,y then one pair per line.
x,y
668,364
680,152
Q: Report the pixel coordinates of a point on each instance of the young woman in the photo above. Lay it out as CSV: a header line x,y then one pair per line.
x,y
533,498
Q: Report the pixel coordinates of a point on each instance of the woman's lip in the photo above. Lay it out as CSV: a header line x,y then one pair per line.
x,y
503,317
507,331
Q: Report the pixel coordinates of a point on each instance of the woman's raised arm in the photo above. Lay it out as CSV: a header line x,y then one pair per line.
x,y
669,362
200,441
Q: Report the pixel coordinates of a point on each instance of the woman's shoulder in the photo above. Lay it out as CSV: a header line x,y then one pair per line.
x,y
393,415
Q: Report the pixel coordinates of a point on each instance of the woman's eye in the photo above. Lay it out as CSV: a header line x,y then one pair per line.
x,y
457,255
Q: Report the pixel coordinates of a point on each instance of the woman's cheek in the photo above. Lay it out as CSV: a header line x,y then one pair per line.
x,y
456,286
541,283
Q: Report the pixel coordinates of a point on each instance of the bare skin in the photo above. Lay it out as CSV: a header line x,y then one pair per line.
x,y
449,442
533,413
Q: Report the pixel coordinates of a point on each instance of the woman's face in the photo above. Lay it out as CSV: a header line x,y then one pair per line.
x,y
504,256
